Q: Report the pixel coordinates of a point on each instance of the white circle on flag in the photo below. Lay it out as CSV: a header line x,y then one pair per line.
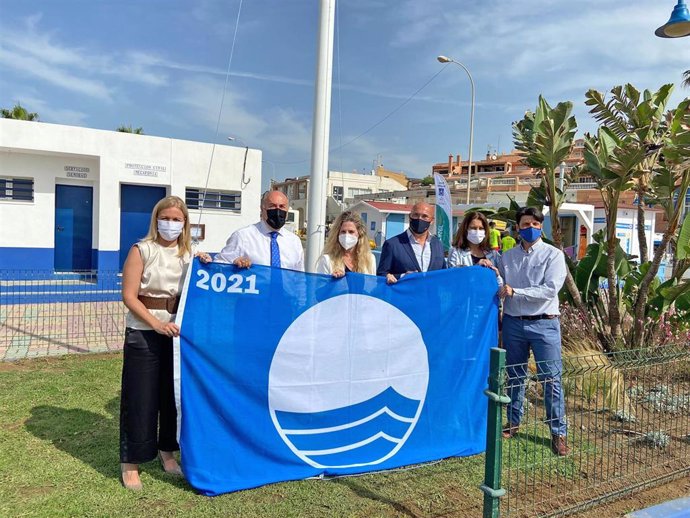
x,y
348,381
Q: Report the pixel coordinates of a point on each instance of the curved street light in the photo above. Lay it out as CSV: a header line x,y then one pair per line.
x,y
244,165
678,25
445,59
232,138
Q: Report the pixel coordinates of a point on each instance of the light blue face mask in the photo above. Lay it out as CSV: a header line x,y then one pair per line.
x,y
530,234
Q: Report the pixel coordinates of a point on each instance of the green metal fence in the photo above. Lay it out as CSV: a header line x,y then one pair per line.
x,y
628,419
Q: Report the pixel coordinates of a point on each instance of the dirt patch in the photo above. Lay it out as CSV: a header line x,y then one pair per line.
x,y
17,425
55,363
642,500
629,425
35,491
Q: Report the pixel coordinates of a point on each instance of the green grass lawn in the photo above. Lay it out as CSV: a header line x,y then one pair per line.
x,y
59,457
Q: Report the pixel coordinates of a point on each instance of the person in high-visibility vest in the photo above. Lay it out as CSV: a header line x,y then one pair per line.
x,y
494,237
507,241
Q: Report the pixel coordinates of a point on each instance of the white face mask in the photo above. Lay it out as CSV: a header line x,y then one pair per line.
x,y
475,236
347,241
170,230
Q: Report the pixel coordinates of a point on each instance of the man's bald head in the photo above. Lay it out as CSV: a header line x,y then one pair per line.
x,y
423,210
274,200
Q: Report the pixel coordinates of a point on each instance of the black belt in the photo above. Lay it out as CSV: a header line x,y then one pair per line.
x,y
535,317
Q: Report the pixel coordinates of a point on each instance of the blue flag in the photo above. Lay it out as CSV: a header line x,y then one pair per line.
x,y
284,375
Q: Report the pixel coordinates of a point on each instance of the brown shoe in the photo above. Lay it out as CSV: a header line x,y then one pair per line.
x,y
509,430
559,445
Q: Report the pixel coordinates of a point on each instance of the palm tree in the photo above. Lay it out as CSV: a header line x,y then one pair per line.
x,y
612,162
545,138
18,113
669,188
638,120
129,129
686,79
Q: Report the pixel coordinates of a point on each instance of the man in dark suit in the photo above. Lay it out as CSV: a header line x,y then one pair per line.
x,y
415,250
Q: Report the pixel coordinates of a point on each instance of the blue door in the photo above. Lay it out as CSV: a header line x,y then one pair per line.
x,y
395,224
136,204
73,227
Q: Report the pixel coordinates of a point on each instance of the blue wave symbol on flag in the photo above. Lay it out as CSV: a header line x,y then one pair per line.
x,y
358,434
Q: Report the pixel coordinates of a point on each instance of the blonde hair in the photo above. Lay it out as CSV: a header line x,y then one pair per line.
x,y
184,240
362,257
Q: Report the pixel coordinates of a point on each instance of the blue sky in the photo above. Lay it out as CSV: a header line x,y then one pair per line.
x,y
161,64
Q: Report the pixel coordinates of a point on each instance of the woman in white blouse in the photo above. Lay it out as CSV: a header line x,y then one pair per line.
x,y
347,248
152,279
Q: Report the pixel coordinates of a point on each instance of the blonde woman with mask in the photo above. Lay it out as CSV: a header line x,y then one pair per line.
x,y
152,279
347,248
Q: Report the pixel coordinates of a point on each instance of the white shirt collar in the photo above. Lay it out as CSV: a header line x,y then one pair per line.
x,y
414,239
266,229
534,246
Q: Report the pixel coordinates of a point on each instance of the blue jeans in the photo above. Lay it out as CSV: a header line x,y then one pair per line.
x,y
544,338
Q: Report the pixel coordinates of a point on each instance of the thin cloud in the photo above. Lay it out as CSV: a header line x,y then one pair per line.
x,y
36,53
383,94
30,66
49,113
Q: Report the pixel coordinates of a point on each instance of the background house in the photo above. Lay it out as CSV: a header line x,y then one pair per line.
x,y
77,198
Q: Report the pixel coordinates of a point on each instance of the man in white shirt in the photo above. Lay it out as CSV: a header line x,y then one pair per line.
x,y
266,242
533,274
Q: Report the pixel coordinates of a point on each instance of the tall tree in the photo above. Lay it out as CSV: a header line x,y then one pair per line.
x,y
18,112
670,185
637,119
612,162
545,138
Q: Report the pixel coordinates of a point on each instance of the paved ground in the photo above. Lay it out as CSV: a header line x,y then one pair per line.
x,y
49,329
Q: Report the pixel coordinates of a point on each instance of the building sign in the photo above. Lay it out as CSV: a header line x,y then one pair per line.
x,y
73,171
145,169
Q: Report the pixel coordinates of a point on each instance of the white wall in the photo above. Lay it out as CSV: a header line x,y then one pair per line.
x,y
372,215
32,224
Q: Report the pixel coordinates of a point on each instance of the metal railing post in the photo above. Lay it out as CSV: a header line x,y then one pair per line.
x,y
494,448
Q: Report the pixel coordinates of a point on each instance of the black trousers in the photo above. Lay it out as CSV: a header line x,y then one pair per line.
x,y
148,418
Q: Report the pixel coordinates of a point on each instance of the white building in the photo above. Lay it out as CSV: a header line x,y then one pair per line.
x,y
626,227
342,189
383,220
76,198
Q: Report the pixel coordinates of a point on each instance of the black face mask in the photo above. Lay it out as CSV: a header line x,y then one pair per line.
x,y
276,218
419,226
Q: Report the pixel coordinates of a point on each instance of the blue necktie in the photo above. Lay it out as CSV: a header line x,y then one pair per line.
x,y
275,251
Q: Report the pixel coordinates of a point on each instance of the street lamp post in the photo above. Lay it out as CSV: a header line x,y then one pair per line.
x,y
273,167
678,25
444,59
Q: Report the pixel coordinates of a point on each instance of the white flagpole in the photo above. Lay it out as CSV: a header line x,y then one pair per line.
x,y
318,183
